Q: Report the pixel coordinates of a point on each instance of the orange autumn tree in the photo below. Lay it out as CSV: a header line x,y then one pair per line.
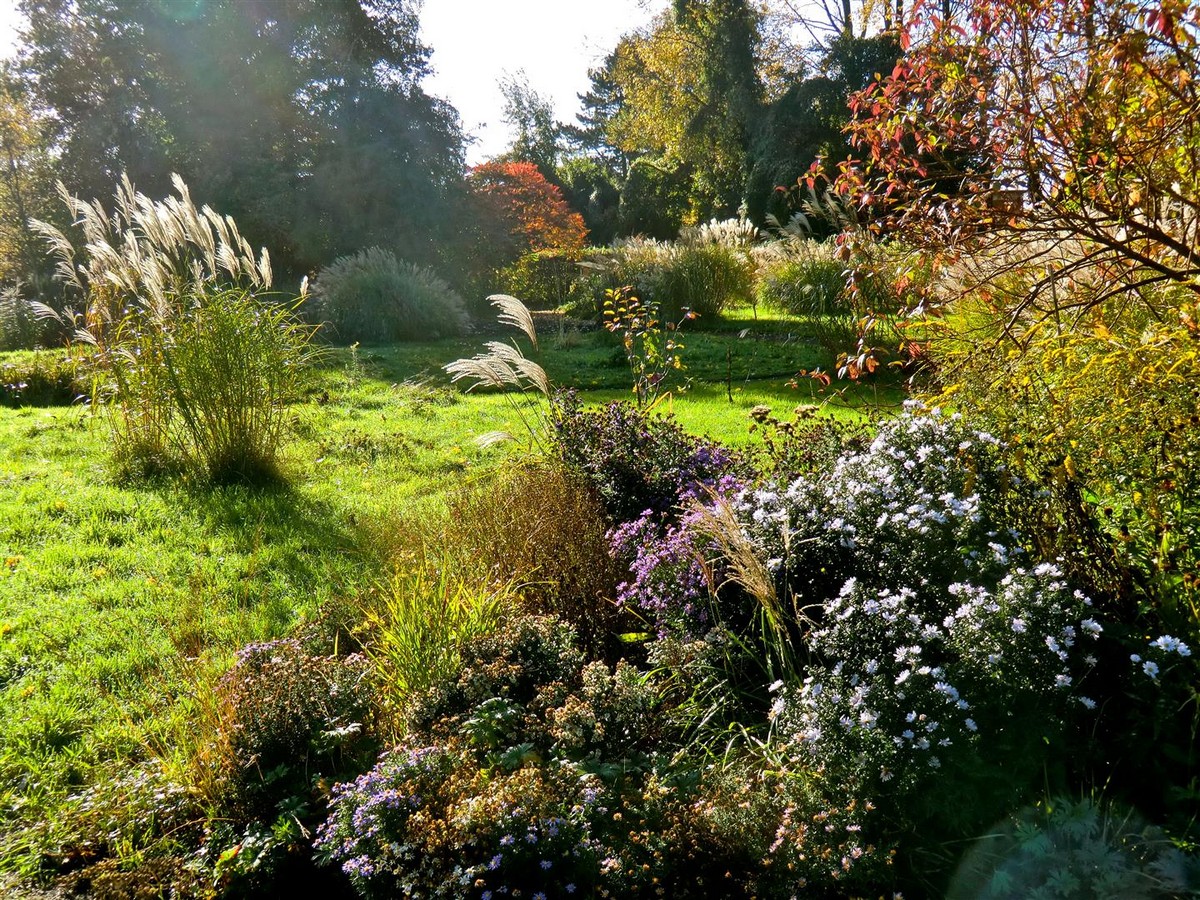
x,y
527,212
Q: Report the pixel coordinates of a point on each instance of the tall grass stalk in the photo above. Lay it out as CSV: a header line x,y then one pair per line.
x,y
776,618
504,367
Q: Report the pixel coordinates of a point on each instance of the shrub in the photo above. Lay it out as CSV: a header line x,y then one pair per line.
x,y
706,278
1077,849
806,444
511,663
541,527
285,717
544,278
372,297
805,281
934,653
541,774
637,461
44,378
1103,409
534,773
209,390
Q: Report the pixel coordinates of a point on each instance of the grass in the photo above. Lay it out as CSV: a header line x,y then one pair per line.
x,y
120,602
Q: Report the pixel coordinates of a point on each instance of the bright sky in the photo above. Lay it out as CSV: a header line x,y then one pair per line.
x,y
477,42
8,27
555,42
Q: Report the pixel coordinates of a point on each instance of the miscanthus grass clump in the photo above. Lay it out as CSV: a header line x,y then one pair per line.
x,y
193,359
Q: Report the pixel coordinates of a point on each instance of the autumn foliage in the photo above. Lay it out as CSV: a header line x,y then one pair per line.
x,y
1065,127
530,212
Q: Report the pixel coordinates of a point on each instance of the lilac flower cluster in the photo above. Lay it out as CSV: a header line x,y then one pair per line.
x,y
667,580
426,822
367,816
637,461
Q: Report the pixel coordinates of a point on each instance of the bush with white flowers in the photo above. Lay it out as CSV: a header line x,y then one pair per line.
x,y
929,628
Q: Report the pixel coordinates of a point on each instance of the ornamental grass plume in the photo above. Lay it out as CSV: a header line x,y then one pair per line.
x,y
504,366
195,367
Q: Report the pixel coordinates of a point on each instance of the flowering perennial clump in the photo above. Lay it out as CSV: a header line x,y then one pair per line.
x,y
668,582
635,461
929,624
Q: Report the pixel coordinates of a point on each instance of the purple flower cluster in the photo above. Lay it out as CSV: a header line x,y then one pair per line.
x,y
366,814
668,581
637,461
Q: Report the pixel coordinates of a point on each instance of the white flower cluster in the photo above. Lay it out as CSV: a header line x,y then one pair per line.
x,y
920,483
933,627
1164,647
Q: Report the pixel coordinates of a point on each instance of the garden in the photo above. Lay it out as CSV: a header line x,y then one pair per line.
x,y
843,547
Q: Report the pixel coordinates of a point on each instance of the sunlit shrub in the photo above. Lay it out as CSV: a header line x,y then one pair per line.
x,y
706,278
541,527
929,645
806,280
511,663
637,461
1103,408
535,773
372,297
541,774
206,391
805,444
282,724
544,279
284,717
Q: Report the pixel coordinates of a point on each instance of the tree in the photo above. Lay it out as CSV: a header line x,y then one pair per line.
x,y
1061,136
527,213
600,105
689,94
291,115
807,123
538,134
26,187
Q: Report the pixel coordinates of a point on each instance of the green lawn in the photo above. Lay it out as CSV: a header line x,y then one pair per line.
x,y
121,602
